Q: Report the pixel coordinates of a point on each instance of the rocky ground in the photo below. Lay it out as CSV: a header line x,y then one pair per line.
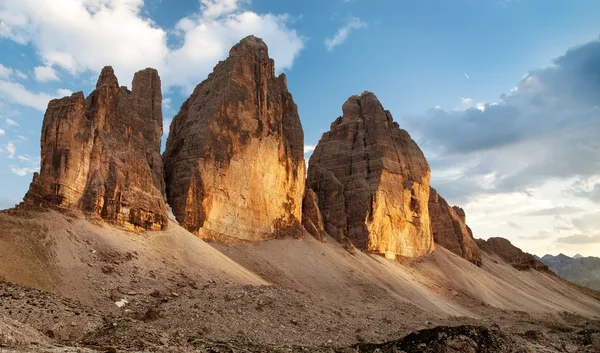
x,y
218,318
104,290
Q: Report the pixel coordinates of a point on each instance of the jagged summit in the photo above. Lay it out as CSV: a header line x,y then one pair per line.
x,y
107,77
250,44
101,154
372,182
362,107
234,160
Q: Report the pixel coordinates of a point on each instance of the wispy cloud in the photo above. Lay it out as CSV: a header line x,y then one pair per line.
x,y
11,122
10,149
5,72
309,148
22,171
166,104
45,74
579,239
20,75
513,225
555,211
17,93
63,92
343,33
536,237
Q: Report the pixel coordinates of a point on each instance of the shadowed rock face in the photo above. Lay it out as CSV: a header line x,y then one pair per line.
x,y
101,154
372,182
234,160
311,215
450,229
520,260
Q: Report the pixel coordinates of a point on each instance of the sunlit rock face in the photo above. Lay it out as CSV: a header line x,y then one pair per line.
x,y
234,160
450,229
101,154
372,182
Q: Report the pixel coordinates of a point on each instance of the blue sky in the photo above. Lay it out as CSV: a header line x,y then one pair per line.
x,y
477,83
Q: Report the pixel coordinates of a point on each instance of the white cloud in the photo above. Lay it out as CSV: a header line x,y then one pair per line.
x,y
23,171
45,74
216,8
2,132
309,148
166,104
81,35
10,149
17,93
63,92
205,40
85,34
11,122
342,34
166,125
465,103
5,72
20,75
468,103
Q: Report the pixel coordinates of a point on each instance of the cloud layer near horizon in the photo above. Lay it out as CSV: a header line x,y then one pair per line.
x,y
546,128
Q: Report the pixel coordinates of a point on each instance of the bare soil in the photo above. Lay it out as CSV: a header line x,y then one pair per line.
x,y
61,278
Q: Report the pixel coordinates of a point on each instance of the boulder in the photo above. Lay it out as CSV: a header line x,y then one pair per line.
x,y
101,154
234,160
450,229
372,182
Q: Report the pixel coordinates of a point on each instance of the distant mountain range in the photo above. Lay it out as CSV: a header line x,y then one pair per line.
x,y
584,271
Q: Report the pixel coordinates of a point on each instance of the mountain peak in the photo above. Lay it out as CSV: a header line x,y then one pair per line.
x,y
107,77
250,44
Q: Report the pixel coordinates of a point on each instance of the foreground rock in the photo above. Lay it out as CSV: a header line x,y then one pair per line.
x,y
372,182
450,229
445,339
519,259
101,154
234,161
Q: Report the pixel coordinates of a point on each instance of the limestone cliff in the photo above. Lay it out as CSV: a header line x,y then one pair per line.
x,y
372,182
312,220
101,154
450,230
234,160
